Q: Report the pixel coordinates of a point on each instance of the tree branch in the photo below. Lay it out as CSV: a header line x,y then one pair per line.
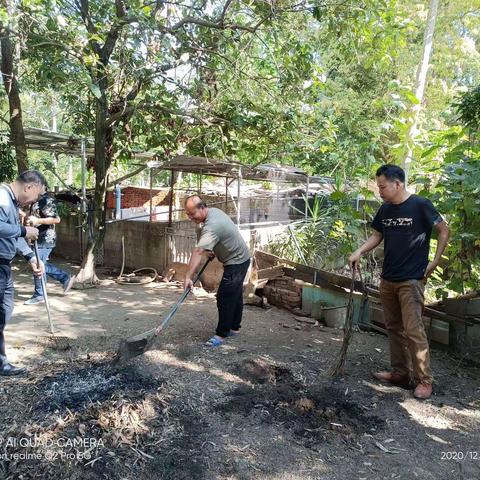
x,y
225,8
188,20
114,32
50,167
83,7
117,116
128,175
218,24
128,109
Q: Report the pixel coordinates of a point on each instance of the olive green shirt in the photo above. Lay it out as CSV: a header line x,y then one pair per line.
x,y
220,234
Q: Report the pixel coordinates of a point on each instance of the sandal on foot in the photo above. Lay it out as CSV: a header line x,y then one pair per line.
x,y
214,342
231,333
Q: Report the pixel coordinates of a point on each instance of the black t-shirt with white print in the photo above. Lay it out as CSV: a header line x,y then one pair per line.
x,y
45,208
406,230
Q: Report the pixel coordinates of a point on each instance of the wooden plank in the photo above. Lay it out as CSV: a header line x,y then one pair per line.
x,y
372,326
266,260
434,313
332,278
270,273
307,278
334,281
467,296
309,274
447,317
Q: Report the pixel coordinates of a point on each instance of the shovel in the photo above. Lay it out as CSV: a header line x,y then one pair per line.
x,y
139,344
44,288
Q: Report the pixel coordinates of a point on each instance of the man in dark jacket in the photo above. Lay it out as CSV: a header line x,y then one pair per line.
x,y
25,190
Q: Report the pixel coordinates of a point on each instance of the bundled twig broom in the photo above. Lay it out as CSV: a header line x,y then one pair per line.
x,y
339,367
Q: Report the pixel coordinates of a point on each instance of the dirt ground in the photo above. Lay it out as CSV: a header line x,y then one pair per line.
x,y
261,407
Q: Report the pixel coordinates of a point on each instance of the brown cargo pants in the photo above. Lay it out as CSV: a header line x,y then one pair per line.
x,y
403,304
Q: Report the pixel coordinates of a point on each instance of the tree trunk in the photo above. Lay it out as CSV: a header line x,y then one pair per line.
x,y
9,75
103,159
421,81
104,136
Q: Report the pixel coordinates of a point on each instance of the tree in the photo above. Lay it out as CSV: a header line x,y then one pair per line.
x,y
9,70
128,57
325,86
421,79
456,193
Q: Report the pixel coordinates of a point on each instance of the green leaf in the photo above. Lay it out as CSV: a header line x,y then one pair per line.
x,y
338,195
410,96
95,90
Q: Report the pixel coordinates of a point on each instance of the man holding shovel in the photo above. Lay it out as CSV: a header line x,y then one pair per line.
x,y
405,222
25,190
219,234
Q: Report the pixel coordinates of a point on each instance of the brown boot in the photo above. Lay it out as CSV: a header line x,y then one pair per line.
x,y
392,377
423,391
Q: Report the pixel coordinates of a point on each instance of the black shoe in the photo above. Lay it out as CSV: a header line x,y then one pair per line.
x,y
7,370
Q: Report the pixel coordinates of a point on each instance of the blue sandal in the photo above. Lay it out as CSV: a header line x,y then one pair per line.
x,y
214,342
231,333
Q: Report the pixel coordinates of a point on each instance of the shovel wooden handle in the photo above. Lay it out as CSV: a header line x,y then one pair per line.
x,y
172,312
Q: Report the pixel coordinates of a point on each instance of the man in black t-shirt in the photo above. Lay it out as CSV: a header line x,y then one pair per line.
x,y
405,222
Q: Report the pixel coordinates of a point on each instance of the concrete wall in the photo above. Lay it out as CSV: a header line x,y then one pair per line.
x,y
68,238
144,243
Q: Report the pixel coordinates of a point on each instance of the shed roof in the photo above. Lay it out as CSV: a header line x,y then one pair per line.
x,y
55,142
219,168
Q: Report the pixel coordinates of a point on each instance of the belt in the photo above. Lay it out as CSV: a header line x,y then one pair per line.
x,y
4,261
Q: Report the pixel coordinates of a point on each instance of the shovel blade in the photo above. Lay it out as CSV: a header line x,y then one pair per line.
x,y
139,344
134,346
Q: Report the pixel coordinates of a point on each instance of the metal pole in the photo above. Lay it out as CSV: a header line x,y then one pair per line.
x,y
84,176
226,195
70,171
151,195
44,288
80,234
170,203
306,198
297,246
118,201
235,203
239,181
84,194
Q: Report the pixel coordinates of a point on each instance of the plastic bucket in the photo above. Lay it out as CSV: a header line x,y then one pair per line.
x,y
335,316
